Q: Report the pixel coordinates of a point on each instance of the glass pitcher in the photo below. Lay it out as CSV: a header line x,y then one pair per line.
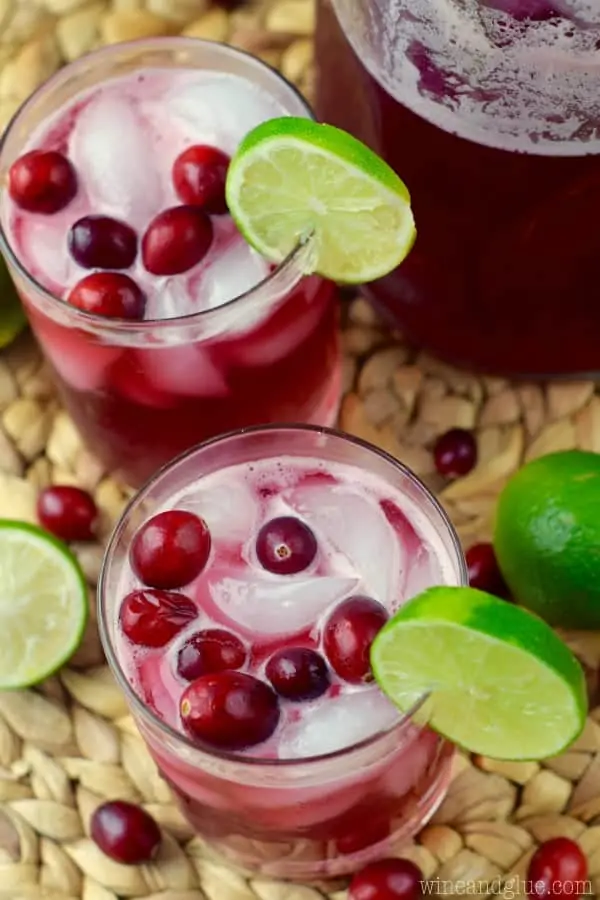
x,y
490,112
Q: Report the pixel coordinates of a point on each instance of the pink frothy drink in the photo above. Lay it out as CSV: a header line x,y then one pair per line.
x,y
162,326
239,598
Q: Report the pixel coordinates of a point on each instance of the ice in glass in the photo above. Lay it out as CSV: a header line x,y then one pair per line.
x,y
239,598
162,326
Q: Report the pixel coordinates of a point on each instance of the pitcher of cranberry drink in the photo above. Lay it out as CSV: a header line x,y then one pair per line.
x,y
161,325
488,109
239,597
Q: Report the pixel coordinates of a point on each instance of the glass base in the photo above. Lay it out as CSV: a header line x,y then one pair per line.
x,y
311,862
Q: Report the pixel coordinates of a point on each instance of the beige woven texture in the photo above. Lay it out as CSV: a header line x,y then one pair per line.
x,y
70,745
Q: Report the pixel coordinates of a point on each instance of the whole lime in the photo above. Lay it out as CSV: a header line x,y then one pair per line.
x,y
547,538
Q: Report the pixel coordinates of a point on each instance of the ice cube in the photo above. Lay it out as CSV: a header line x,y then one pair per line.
x,y
423,571
274,340
184,370
356,526
337,723
234,268
229,510
83,364
43,246
170,300
220,109
413,766
112,152
277,606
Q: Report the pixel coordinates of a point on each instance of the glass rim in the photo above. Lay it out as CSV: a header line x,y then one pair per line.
x,y
144,710
100,323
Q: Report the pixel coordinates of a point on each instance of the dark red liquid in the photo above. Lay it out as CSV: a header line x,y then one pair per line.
x,y
504,273
285,369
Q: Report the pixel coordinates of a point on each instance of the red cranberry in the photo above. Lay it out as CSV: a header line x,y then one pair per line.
x,y
42,181
455,453
484,573
170,549
370,830
109,294
67,512
348,636
558,868
152,618
285,546
387,879
125,833
176,240
229,710
99,242
298,673
208,651
199,175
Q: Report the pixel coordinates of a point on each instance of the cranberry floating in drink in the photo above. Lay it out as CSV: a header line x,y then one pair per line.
x,y
199,175
162,325
247,664
42,181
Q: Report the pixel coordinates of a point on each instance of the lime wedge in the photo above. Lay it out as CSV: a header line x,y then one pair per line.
x,y
43,604
12,315
293,177
499,681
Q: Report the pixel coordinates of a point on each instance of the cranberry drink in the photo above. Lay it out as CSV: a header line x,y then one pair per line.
x,y
163,327
240,615
488,111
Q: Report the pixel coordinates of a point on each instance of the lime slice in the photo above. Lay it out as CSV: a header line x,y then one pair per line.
x,y
43,604
292,177
12,315
499,681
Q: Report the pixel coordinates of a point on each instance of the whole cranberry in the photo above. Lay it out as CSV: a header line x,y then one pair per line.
x,y
211,650
285,545
109,294
348,635
484,573
298,673
67,512
170,549
229,710
125,832
387,879
151,618
199,175
371,829
176,239
42,181
99,242
455,453
558,868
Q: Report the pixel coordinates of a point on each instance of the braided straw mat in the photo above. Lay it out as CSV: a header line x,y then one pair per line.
x,y
69,745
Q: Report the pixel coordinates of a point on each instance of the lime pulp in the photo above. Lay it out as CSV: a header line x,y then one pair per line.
x,y
494,679
43,604
292,178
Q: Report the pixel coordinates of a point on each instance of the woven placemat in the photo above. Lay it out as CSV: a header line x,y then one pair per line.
x,y
69,745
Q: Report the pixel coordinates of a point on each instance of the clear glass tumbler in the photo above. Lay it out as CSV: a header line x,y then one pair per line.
x,y
143,392
294,818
